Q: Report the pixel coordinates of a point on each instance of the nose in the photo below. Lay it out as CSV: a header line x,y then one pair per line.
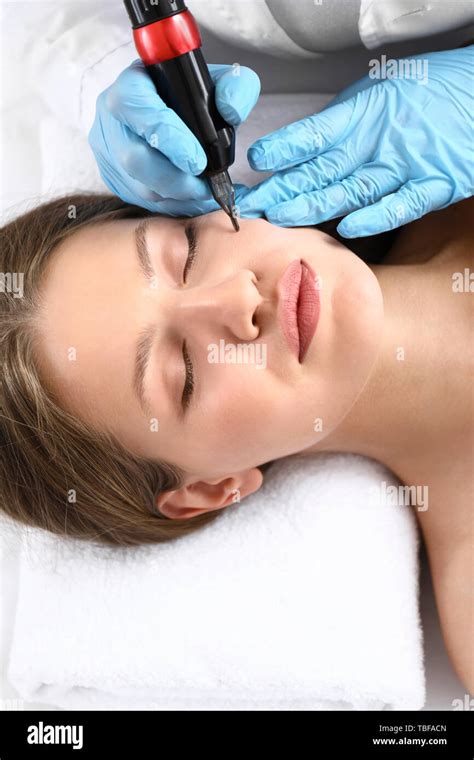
x,y
229,304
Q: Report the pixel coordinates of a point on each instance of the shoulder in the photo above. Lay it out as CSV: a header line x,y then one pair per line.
x,y
441,234
453,582
447,527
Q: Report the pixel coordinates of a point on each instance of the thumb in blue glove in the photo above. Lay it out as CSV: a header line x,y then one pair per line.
x,y
392,152
144,151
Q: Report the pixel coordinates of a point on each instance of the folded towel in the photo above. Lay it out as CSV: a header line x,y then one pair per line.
x,y
303,596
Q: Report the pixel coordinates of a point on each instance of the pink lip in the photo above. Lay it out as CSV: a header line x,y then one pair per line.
x,y
299,306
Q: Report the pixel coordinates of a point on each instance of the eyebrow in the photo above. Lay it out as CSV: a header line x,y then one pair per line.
x,y
144,258
145,341
142,357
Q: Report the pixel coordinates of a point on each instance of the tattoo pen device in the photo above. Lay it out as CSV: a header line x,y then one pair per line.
x,y
167,39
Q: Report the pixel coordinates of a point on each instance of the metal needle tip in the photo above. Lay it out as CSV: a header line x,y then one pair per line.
x,y
223,192
234,221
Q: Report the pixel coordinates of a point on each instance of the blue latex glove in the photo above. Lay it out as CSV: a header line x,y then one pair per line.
x,y
147,155
384,151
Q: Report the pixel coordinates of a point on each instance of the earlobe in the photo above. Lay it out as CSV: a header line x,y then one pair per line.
x,y
208,495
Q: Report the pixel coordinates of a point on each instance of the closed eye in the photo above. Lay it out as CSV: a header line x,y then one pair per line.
x,y
188,389
189,381
191,234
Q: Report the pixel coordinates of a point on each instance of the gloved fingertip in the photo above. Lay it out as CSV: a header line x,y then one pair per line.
x,y
229,113
257,157
292,213
279,217
237,92
194,164
351,228
348,229
198,166
278,221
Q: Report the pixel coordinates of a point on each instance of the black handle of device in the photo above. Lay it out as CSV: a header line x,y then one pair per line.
x,y
185,85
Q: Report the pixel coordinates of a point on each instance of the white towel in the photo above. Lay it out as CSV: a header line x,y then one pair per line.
x,y
303,596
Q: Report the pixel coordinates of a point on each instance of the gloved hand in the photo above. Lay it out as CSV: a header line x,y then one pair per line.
x,y
384,151
147,155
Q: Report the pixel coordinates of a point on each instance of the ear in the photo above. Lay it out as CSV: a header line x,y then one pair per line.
x,y
208,495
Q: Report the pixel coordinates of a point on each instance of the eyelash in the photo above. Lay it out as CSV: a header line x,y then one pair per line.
x,y
189,382
190,231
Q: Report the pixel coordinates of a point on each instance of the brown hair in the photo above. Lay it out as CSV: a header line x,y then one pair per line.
x,y
56,472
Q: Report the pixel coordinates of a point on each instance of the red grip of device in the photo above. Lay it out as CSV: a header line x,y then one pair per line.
x,y
167,38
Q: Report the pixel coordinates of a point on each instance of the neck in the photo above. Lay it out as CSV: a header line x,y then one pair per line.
x,y
385,422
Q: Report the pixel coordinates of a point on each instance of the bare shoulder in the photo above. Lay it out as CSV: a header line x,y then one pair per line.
x,y
452,570
439,234
448,530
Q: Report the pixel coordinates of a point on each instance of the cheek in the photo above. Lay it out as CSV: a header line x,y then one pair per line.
x,y
235,392
236,410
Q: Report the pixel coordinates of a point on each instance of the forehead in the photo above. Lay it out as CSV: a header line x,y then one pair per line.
x,y
93,243
84,292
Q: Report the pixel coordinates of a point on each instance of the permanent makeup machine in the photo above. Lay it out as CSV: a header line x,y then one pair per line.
x,y
168,41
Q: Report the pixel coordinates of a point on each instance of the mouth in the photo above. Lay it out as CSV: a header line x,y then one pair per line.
x,y
298,306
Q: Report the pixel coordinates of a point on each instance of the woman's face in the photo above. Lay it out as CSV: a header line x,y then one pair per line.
x,y
102,307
